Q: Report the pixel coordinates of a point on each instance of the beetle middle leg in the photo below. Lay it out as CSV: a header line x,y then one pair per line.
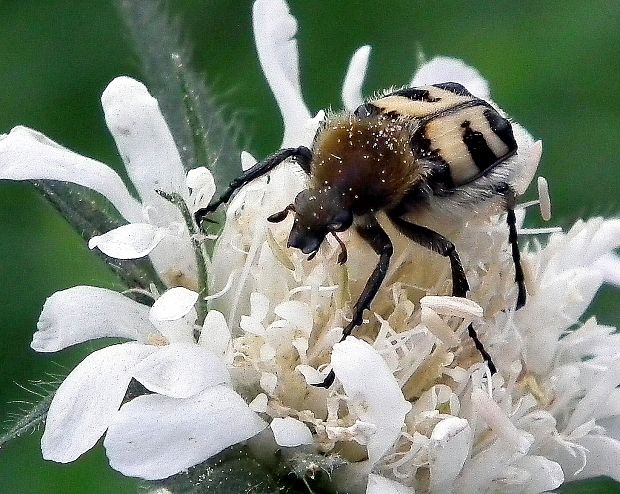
x,y
438,243
302,155
382,245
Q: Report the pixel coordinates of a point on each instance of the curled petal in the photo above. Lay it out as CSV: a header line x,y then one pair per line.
x,y
367,381
145,143
447,69
154,436
290,432
26,154
181,370
173,304
84,313
87,400
353,81
129,241
274,33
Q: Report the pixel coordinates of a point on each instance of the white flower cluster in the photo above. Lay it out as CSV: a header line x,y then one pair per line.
x,y
413,408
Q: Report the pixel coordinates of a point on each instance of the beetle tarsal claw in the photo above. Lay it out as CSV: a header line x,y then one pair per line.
x,y
281,215
342,257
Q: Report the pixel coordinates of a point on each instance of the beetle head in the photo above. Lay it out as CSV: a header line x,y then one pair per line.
x,y
317,213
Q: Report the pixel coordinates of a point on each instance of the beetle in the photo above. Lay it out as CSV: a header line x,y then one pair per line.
x,y
435,148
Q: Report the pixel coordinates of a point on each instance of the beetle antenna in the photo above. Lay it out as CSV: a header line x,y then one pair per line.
x,y
342,257
281,216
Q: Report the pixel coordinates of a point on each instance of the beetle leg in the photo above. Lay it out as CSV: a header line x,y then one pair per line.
x,y
511,219
438,243
302,156
382,245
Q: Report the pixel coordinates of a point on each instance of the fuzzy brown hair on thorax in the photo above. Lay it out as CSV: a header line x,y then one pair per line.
x,y
369,160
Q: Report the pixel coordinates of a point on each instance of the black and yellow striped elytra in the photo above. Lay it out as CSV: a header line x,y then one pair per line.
x,y
432,148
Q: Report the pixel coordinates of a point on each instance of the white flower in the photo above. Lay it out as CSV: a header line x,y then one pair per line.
x,y
413,408
192,414
156,227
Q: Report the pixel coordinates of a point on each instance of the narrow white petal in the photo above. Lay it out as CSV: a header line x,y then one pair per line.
x,y
380,485
26,154
84,313
87,401
274,33
128,241
173,304
215,335
446,69
499,422
155,436
311,375
181,370
352,88
452,306
144,142
449,447
247,161
367,381
297,313
290,432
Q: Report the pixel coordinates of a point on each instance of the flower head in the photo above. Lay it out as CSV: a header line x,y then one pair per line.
x,y
413,408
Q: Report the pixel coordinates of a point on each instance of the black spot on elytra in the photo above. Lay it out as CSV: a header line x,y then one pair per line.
x,y
480,152
502,128
455,88
415,94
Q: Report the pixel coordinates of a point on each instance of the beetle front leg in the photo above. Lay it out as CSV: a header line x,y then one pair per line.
x,y
302,155
382,245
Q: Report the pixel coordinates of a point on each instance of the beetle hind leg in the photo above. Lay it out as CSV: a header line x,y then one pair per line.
x,y
438,243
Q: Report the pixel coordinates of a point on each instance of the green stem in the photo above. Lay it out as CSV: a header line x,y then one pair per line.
x,y
199,250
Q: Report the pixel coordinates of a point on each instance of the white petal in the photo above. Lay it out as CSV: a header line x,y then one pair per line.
x,y
290,432
274,34
128,241
544,474
202,183
499,422
446,69
380,485
173,304
181,370
26,154
155,436
84,313
259,404
449,447
87,400
452,306
352,88
601,459
215,335
247,161
145,143
367,380
609,266
297,313
311,375
528,158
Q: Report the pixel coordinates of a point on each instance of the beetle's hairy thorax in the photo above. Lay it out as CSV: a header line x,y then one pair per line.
x,y
368,160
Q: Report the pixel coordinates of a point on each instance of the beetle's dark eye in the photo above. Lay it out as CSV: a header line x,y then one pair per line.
x,y
366,110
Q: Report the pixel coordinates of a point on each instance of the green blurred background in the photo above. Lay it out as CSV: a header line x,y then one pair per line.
x,y
554,66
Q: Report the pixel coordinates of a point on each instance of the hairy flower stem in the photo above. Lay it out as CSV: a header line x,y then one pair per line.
x,y
194,120
199,250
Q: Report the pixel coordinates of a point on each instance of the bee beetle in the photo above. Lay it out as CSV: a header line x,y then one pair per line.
x,y
413,149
